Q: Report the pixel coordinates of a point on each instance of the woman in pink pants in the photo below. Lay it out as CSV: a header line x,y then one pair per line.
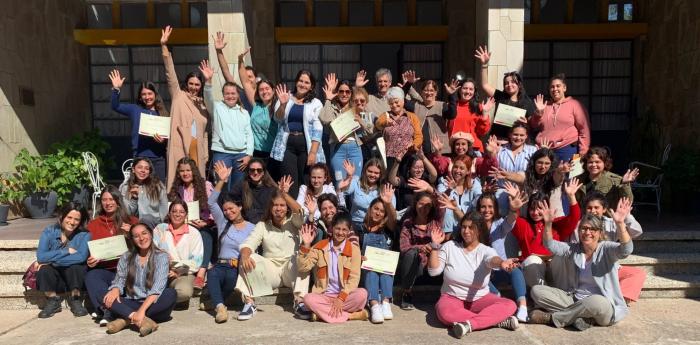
x,y
335,296
466,303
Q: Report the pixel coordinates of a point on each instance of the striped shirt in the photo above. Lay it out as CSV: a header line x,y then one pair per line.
x,y
517,163
160,276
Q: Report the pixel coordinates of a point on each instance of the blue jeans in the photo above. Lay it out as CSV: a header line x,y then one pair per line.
x,y
158,311
516,279
97,282
209,234
350,151
564,154
221,280
231,160
374,281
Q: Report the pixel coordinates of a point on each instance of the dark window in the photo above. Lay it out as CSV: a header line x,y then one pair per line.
x,y
198,15
361,12
99,16
327,12
292,13
134,16
168,14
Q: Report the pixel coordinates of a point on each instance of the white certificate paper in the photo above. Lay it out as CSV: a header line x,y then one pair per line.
x,y
151,125
344,125
381,146
507,115
108,248
256,281
380,260
576,167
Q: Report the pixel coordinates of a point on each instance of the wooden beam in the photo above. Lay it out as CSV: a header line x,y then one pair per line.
x,y
569,11
184,14
411,8
151,14
602,11
378,13
116,37
309,13
535,11
116,14
544,32
344,13
360,34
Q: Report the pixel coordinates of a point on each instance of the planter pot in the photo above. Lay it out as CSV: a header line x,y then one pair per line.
x,y
80,196
4,211
41,204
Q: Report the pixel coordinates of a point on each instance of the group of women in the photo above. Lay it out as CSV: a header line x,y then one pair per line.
x,y
480,205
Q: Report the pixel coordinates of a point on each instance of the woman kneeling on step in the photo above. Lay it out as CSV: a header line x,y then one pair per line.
x,y
333,298
138,295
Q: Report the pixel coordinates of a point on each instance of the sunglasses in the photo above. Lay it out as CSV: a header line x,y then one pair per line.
x,y
344,92
255,170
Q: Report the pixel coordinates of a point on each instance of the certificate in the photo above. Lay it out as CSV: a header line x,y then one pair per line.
x,y
381,146
344,125
576,166
108,248
192,210
381,260
256,281
507,115
151,125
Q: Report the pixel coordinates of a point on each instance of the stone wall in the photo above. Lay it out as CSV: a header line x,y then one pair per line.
x,y
671,77
506,20
38,53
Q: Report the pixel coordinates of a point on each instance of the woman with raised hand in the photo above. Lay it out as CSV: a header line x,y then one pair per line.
x,y
61,256
513,93
377,231
462,144
419,177
144,193
471,116
536,258
335,296
233,230
112,219
190,187
501,240
592,293
401,129
298,142
139,294
149,103
361,191
562,121
465,302
339,100
319,183
434,115
513,159
189,115
545,175
255,190
183,243
598,177
458,192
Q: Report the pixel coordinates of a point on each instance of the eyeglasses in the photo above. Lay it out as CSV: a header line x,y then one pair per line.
x,y
588,228
255,170
345,92
360,101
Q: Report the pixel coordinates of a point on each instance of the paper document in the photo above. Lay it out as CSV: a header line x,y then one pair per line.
x,y
256,281
108,248
576,166
381,146
344,125
507,115
151,125
381,260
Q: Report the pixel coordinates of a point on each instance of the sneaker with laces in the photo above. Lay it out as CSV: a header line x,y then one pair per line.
x,y
221,314
510,323
540,317
53,306
580,324
386,310
301,311
376,313
407,302
460,329
247,312
198,283
76,306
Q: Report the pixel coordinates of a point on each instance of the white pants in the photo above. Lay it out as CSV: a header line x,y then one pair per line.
x,y
279,274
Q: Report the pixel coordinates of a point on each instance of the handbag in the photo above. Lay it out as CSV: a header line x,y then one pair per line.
x,y
29,277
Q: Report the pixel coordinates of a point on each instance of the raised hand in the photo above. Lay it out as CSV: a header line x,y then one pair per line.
x,y
331,86
446,202
206,70
497,173
630,175
387,193
489,186
539,103
219,43
624,208
165,35
361,79
509,264
308,234
285,183
436,143
222,172
282,93
310,203
242,55
419,185
546,143
547,213
451,183
409,77
349,167
437,236
452,87
516,198
483,55
487,105
572,186
511,189
493,145
116,78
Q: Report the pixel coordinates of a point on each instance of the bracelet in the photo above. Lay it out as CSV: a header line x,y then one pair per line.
x,y
484,66
435,246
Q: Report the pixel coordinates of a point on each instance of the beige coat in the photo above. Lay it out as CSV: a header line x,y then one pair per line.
x,y
184,110
318,258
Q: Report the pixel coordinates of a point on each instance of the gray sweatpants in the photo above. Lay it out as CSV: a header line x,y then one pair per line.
x,y
565,310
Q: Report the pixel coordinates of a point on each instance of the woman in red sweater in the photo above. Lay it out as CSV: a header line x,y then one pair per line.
x,y
528,231
471,116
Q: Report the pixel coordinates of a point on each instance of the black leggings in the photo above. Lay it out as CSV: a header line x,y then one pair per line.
x,y
294,162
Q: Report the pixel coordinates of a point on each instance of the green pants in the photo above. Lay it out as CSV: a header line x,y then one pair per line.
x,y
565,310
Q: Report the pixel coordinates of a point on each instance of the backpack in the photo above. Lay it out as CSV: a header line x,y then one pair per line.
x,y
29,277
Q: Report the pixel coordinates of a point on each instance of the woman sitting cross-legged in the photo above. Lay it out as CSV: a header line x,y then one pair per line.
x,y
593,277
139,294
465,302
335,296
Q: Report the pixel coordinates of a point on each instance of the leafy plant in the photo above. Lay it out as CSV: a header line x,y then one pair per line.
x,y
10,192
88,141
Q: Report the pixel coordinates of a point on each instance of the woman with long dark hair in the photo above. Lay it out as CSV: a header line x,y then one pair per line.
x,y
471,116
139,294
255,190
188,127
61,256
149,102
144,193
369,186
298,142
545,175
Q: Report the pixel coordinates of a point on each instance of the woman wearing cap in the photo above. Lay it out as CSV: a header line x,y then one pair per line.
x,y
462,144
401,129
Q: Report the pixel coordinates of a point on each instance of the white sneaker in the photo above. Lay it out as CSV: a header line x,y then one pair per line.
x,y
377,314
386,311
461,328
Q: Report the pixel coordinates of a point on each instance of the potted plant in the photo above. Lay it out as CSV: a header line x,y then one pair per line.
x,y
35,178
9,195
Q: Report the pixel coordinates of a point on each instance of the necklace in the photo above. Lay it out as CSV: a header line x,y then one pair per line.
x,y
110,227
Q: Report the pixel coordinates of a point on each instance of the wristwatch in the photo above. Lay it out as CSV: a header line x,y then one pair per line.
x,y
435,246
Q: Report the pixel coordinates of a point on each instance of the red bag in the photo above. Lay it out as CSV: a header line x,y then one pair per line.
x,y
29,277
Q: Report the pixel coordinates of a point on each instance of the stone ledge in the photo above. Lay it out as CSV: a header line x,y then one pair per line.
x,y
661,259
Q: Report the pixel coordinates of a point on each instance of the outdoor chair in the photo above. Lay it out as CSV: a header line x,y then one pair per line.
x,y
92,166
653,181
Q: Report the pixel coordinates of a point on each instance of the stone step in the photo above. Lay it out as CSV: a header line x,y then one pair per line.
x,y
662,264
672,286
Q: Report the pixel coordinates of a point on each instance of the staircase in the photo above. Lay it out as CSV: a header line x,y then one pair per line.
x,y
670,258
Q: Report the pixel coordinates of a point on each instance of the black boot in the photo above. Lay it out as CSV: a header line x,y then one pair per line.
x,y
76,306
53,306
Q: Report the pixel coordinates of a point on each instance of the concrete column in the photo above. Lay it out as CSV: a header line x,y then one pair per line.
x,y
228,17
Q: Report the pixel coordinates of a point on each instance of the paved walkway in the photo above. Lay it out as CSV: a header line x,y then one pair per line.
x,y
672,321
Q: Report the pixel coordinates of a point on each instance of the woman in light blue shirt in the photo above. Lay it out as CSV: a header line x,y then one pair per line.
x,y
513,159
458,192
